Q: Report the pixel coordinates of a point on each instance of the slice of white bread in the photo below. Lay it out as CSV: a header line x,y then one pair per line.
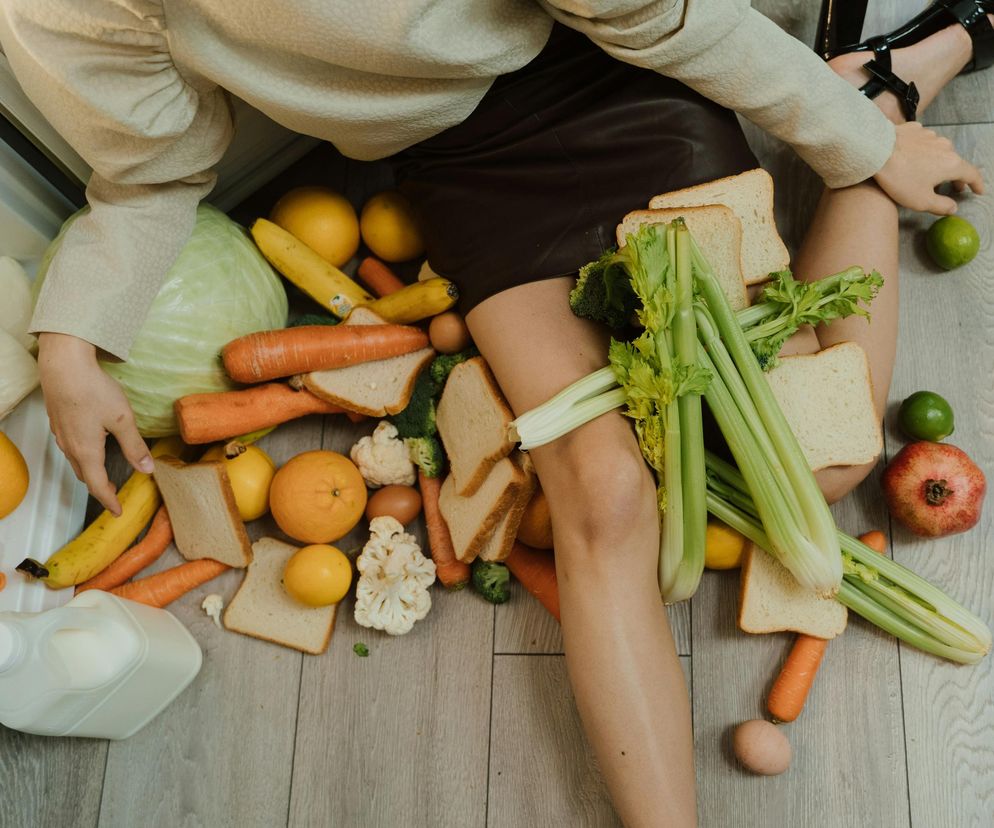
x,y
376,388
771,600
262,609
718,233
498,547
203,512
750,196
827,398
473,420
473,520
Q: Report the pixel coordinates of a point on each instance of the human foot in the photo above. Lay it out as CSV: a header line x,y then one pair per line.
x,y
930,64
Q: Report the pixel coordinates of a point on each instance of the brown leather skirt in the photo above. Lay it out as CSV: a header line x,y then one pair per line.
x,y
533,183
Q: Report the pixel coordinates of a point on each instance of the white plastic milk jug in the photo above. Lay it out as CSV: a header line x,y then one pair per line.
x,y
99,666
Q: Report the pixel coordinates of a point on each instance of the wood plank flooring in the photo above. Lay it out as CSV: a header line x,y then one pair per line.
x,y
469,720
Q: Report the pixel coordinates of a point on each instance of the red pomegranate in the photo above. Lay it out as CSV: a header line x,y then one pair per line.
x,y
934,489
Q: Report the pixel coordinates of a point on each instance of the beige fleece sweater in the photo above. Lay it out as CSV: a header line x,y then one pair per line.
x,y
137,87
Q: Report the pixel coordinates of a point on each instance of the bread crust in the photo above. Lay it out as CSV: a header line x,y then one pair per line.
x,y
513,518
312,384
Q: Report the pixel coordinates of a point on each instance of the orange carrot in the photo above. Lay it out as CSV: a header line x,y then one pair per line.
x,y
378,277
267,355
3,581
452,572
876,540
536,569
144,553
165,587
790,690
206,418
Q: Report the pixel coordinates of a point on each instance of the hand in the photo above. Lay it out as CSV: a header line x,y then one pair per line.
x,y
921,161
84,405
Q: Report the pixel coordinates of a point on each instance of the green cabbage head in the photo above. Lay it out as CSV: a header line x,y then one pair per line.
x,y
219,288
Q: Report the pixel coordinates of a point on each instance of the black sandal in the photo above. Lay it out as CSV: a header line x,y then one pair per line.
x,y
840,27
883,79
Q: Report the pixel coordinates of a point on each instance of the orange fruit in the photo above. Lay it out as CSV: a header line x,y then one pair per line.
x,y
318,496
318,575
322,219
536,524
13,476
389,228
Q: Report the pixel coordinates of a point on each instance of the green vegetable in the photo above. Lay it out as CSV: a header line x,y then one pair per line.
x,y
360,649
926,416
604,291
418,418
427,454
885,593
492,581
952,241
220,288
314,319
442,365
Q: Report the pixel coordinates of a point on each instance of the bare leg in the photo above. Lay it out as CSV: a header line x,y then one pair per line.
x,y
622,662
859,225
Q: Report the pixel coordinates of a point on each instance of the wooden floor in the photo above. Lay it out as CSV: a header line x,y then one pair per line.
x,y
469,720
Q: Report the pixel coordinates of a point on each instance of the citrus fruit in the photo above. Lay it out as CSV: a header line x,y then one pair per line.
x,y
318,496
952,241
13,476
389,229
926,416
322,219
723,546
251,473
318,575
535,529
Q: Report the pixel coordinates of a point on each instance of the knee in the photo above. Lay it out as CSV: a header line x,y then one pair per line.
x,y
601,495
837,481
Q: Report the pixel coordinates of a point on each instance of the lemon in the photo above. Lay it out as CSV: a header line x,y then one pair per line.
x,y
952,241
13,476
389,229
723,547
251,474
318,575
322,219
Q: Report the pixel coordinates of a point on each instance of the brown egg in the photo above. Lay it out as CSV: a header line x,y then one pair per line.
x,y
448,333
401,502
761,747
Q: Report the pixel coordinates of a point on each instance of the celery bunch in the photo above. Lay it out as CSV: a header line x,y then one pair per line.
x,y
885,593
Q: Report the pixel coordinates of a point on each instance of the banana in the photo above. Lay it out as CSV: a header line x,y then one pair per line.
x,y
100,543
416,301
323,282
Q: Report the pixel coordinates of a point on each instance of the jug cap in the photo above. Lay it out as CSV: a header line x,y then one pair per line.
x,y
11,645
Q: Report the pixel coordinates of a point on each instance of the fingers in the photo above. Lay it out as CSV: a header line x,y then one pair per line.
x,y
940,205
90,458
132,445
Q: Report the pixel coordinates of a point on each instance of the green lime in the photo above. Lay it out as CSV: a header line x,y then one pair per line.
x,y
926,416
952,242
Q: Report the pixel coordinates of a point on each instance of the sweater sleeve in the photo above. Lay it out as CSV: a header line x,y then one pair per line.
x,y
738,58
100,71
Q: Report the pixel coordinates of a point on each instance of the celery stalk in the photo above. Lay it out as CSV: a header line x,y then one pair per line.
x,y
816,559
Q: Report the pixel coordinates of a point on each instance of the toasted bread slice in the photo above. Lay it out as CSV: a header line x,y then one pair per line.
x,y
717,231
376,388
473,421
827,398
262,609
498,547
203,512
750,196
771,600
473,520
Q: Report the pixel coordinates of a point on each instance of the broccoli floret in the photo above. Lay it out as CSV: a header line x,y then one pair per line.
x,y
604,292
442,365
360,649
314,319
492,581
418,419
427,454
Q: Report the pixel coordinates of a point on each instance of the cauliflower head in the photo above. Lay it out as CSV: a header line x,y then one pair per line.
x,y
394,577
383,458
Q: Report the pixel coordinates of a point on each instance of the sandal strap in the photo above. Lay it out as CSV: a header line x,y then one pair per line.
x,y
972,15
882,78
